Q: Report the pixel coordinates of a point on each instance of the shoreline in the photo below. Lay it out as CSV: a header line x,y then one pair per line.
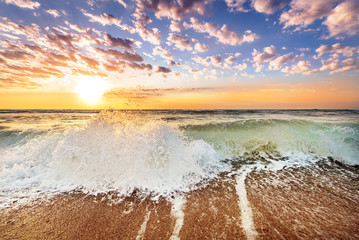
x,y
320,203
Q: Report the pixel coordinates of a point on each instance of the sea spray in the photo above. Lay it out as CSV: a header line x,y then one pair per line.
x,y
159,153
112,153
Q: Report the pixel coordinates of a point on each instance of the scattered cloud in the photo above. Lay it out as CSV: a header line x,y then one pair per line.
x,y
344,19
236,5
141,92
23,3
268,6
174,9
334,66
179,41
53,12
163,52
223,34
104,19
268,54
127,56
337,48
160,69
208,61
175,26
302,67
304,12
120,42
284,59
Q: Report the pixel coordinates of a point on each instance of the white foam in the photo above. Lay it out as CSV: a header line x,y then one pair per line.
x,y
141,232
177,212
244,205
108,154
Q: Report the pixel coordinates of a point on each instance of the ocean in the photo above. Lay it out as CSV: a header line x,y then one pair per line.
x,y
171,174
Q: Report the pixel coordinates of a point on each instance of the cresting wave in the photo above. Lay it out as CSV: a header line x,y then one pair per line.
x,y
113,152
123,153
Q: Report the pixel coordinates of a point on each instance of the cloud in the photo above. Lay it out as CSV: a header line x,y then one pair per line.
x,y
89,61
15,55
176,9
126,43
175,26
223,34
53,12
344,19
236,5
141,92
141,20
30,32
284,59
268,54
104,19
304,12
211,60
332,64
18,83
127,56
122,3
349,64
23,3
337,48
141,66
201,47
160,69
230,60
240,66
59,40
163,52
268,6
302,67
173,63
181,42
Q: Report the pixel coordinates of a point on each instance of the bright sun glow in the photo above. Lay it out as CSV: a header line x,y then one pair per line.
x,y
91,89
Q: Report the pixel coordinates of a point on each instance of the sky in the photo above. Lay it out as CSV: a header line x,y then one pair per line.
x,y
179,54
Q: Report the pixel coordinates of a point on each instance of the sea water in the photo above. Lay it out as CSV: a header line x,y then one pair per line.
x,y
165,153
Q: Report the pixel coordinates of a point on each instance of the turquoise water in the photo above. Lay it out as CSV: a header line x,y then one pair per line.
x,y
161,152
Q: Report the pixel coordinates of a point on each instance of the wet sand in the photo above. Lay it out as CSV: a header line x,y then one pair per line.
x,y
320,203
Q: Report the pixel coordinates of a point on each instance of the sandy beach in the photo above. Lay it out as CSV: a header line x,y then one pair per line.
x,y
318,204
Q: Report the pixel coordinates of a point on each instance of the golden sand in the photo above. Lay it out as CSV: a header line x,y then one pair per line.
x,y
290,204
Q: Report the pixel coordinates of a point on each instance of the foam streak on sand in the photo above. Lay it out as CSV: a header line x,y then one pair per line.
x,y
142,230
246,211
177,212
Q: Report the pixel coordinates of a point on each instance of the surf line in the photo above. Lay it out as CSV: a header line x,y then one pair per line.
x,y
177,212
243,203
142,230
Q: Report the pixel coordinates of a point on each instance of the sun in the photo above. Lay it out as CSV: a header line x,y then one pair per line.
x,y
91,89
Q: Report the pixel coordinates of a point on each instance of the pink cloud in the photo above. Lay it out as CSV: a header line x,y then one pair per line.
x,y
23,3
104,19
179,41
284,59
174,9
344,19
223,34
304,12
268,6
53,13
163,52
337,48
175,26
302,67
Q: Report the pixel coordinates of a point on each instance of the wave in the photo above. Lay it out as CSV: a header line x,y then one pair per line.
x,y
240,138
112,153
126,152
